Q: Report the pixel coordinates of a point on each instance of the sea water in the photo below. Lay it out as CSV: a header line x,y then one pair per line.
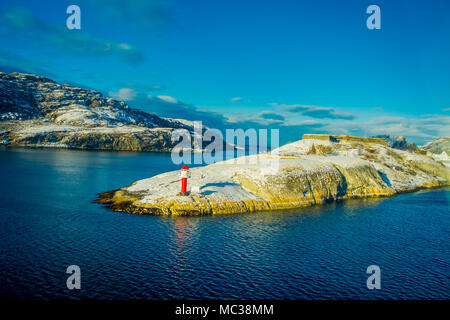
x,y
48,221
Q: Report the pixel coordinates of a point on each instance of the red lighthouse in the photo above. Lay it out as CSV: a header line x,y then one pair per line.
x,y
184,175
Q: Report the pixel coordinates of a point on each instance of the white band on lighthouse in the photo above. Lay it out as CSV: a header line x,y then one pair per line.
x,y
184,174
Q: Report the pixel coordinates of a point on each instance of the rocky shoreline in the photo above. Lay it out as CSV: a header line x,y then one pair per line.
x,y
314,170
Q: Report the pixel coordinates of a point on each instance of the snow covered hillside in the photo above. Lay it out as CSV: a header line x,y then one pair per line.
x,y
36,111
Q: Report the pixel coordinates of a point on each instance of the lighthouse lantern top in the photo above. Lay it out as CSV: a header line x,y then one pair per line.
x,y
185,173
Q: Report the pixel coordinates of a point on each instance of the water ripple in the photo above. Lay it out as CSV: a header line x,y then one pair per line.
x,y
48,221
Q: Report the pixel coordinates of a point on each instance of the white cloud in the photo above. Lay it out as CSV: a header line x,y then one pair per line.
x,y
125,94
168,99
236,99
125,46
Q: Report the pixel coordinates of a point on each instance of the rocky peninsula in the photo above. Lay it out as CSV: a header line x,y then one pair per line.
x,y
314,170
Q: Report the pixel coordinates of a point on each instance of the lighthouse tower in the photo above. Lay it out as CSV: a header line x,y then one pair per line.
x,y
184,175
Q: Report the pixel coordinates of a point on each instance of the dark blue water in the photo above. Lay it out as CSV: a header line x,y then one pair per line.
x,y
48,222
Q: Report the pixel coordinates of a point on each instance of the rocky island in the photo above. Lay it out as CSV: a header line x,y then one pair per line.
x,y
314,170
38,112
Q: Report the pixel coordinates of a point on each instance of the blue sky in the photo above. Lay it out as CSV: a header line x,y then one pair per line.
x,y
300,66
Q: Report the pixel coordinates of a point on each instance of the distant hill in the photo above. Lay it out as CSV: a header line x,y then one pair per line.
x,y
439,149
398,142
438,146
39,112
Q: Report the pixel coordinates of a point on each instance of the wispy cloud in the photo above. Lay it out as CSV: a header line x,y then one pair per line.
x,y
263,118
236,99
170,107
317,112
168,99
270,115
25,23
